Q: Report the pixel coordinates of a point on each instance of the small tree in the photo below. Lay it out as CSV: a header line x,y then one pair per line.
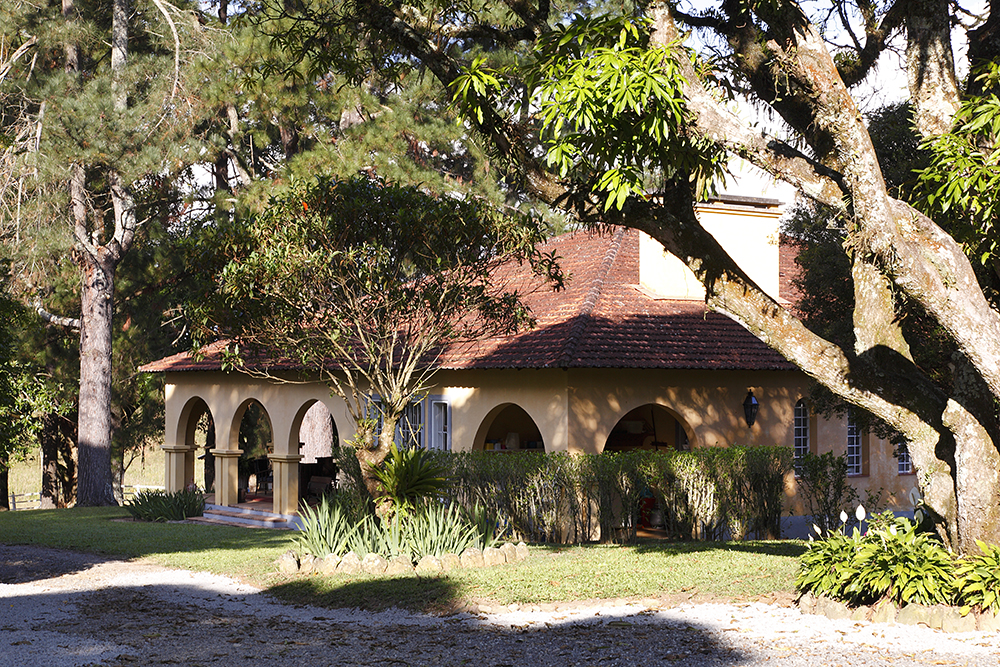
x,y
365,282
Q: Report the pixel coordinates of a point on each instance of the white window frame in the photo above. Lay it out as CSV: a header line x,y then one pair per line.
x,y
855,448
439,427
410,427
426,423
801,431
904,464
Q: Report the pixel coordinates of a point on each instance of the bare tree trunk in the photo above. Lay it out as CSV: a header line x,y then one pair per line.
x,y
48,438
96,484
4,485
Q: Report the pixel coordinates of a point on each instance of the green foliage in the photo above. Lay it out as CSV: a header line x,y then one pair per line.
x,y
561,498
962,180
409,477
822,480
163,506
435,529
428,528
609,105
893,561
326,528
977,579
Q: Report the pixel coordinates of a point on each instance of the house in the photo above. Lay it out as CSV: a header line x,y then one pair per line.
x,y
626,356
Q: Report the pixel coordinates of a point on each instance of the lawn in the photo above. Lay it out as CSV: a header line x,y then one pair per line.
x,y
553,573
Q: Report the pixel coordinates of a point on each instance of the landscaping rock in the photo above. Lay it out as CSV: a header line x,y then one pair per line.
x,y
521,551
509,552
953,621
916,614
429,565
862,613
472,557
884,612
307,564
807,603
989,622
329,564
349,564
374,564
451,561
399,565
493,556
288,563
832,609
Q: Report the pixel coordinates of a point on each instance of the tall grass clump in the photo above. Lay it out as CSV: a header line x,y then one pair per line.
x,y
157,505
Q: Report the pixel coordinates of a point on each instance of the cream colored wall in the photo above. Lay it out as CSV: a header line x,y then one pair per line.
x,y
476,395
708,403
750,235
882,477
226,394
575,411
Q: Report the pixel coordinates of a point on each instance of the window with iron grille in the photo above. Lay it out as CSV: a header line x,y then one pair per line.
x,y
854,447
801,432
904,462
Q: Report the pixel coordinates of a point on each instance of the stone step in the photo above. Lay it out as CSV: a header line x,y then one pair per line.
x,y
239,516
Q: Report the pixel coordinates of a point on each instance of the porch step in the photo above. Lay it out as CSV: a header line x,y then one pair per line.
x,y
250,518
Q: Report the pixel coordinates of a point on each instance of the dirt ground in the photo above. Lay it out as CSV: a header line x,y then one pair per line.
x,y
62,608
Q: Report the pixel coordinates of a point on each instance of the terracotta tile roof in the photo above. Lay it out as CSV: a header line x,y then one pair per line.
x,y
602,319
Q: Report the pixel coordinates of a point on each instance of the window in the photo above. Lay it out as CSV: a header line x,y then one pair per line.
x,y
440,426
418,426
801,432
904,462
410,429
854,447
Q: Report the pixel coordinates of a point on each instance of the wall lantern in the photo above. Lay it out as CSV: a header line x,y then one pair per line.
x,y
750,408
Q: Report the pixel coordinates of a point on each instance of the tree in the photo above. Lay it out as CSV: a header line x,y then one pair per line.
x,y
364,282
118,65
18,392
670,104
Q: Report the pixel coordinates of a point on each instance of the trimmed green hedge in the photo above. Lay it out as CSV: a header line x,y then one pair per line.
x,y
708,493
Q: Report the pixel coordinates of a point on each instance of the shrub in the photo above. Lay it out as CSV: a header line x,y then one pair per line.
x,y
900,563
977,579
158,505
409,476
892,561
823,484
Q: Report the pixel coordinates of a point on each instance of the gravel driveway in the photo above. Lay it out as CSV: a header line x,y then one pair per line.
x,y
60,608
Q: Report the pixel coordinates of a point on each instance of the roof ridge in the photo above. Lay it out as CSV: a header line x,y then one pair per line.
x,y
590,301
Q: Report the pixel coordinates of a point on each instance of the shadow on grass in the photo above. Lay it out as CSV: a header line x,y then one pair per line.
x,y
788,548
429,595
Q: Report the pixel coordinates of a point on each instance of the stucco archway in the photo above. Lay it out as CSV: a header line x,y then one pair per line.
x,y
508,427
315,430
181,455
650,426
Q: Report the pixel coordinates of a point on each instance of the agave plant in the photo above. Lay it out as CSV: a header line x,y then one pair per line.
x,y
326,529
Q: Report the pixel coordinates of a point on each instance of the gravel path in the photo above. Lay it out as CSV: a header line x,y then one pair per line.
x,y
61,609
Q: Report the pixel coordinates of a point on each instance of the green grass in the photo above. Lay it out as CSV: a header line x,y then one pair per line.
x,y
551,574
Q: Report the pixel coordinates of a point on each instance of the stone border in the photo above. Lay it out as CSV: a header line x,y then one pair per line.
x,y
350,564
939,616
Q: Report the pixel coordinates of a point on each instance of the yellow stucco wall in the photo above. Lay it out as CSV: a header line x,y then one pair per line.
x,y
575,410
749,234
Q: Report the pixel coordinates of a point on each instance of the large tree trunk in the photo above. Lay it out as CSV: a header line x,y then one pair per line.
x,y
96,483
